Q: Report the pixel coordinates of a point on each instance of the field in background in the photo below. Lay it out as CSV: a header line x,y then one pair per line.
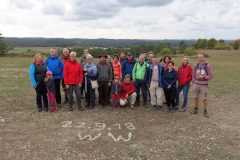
x,y
27,134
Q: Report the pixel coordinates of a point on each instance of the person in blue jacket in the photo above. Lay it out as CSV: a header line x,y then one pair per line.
x,y
55,65
37,73
90,74
128,65
169,86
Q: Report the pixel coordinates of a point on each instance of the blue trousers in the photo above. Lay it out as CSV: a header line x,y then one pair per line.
x,y
185,90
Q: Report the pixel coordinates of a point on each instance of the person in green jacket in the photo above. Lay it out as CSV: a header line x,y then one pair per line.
x,y
139,78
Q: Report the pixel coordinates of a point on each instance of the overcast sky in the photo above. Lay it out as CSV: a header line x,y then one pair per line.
x,y
120,19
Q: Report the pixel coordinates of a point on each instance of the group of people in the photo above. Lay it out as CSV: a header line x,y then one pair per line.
x,y
118,81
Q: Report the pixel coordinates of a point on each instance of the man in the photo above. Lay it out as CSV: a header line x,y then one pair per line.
x,y
154,81
202,73
105,76
139,77
73,76
65,59
83,57
55,65
127,66
128,92
123,58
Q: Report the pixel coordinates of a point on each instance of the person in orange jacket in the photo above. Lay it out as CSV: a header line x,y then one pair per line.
x,y
117,67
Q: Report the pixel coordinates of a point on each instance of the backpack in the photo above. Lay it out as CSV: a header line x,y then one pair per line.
x,y
205,67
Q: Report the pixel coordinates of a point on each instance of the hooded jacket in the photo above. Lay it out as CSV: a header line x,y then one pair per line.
x,y
55,65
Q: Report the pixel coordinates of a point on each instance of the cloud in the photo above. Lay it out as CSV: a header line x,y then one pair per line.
x,y
22,4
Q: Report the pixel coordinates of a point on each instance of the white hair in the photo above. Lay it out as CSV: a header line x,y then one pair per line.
x,y
73,53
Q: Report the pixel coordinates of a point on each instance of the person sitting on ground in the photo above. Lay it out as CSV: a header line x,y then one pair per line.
x,y
128,92
115,91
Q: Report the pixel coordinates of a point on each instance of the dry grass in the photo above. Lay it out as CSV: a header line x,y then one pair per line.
x,y
27,134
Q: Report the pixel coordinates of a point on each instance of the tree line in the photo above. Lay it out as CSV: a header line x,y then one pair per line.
x,y
116,46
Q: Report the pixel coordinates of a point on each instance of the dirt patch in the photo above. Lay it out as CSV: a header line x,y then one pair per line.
x,y
122,133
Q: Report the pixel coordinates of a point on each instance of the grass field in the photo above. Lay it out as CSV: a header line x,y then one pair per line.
x,y
148,134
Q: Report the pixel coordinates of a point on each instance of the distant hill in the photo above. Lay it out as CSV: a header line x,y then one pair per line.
x,y
62,42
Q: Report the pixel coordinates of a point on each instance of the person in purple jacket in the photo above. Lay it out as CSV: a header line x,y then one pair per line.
x,y
202,73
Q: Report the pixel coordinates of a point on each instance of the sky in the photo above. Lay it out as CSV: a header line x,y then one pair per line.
x,y
121,19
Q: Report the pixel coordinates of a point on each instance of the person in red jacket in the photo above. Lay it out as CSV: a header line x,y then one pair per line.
x,y
73,77
65,59
117,67
128,92
184,79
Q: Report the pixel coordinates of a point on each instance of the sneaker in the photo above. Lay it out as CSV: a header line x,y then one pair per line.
x,y
182,109
132,106
59,105
205,114
154,107
195,111
145,105
46,109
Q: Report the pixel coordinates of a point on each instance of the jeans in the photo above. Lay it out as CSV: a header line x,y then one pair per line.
x,y
185,89
141,84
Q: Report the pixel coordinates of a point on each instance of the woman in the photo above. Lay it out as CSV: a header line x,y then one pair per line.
x,y
73,77
90,72
169,86
184,79
37,73
117,67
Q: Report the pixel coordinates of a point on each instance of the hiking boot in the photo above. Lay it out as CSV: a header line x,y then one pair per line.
x,y
70,109
39,109
154,107
159,107
59,105
132,106
46,109
81,108
195,111
205,114
145,105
